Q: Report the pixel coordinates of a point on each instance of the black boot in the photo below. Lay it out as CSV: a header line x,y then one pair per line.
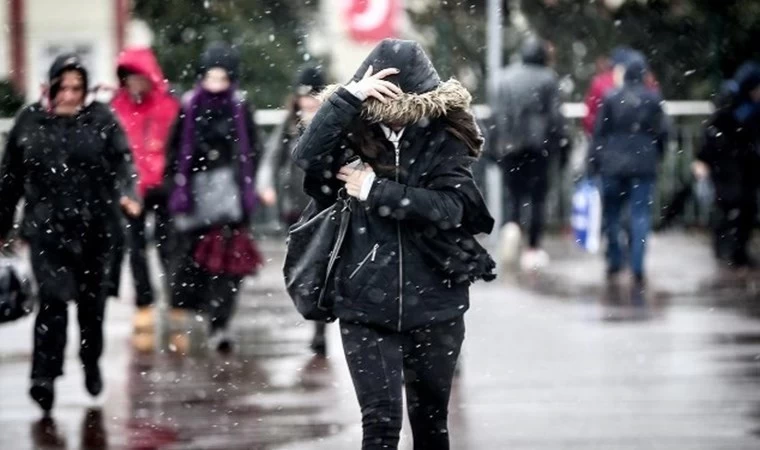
x,y
318,342
43,392
92,379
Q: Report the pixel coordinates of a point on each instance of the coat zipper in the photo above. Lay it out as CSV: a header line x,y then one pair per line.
x,y
400,252
370,256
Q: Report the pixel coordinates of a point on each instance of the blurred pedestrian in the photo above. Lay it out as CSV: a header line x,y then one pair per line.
x,y
147,111
401,284
628,142
530,131
603,83
279,180
730,157
69,159
213,156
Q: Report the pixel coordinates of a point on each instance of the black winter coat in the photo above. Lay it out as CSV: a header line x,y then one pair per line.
x,y
527,116
732,151
71,172
395,268
278,171
215,144
631,133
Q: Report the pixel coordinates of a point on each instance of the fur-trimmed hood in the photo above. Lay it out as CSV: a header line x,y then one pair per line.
x,y
450,101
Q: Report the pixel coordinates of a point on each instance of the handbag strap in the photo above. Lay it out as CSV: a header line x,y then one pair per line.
x,y
345,217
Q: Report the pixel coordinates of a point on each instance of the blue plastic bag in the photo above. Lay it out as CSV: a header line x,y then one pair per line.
x,y
586,218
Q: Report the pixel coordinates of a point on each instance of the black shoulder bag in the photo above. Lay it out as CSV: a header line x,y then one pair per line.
x,y
313,246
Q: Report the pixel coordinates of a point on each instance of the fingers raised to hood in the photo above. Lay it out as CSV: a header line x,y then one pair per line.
x,y
417,74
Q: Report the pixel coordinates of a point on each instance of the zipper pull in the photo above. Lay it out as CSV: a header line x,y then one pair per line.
x,y
374,252
398,157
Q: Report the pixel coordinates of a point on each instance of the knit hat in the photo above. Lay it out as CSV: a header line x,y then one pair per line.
x,y
220,55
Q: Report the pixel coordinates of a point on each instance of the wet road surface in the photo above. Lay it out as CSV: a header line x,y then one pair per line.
x,y
559,360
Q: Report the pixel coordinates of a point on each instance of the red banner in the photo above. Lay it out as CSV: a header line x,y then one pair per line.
x,y
372,20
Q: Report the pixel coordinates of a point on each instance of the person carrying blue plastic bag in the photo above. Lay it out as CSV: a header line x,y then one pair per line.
x,y
627,146
586,219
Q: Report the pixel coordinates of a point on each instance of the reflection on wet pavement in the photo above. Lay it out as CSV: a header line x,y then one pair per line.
x,y
547,364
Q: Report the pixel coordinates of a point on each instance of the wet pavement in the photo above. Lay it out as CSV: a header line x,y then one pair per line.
x,y
557,360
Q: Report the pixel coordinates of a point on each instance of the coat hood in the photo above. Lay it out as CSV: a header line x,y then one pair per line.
x,y
636,69
747,78
533,51
63,63
417,74
450,101
142,61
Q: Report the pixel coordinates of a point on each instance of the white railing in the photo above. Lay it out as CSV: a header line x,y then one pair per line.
x,y
271,117
684,141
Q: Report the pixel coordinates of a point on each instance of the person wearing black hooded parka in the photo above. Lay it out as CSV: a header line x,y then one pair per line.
x,y
730,156
70,161
401,284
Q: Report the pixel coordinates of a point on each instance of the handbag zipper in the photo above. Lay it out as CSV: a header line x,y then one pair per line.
x,y
400,252
370,256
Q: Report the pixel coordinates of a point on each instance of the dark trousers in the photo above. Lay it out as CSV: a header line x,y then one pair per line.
x,y
616,193
423,361
526,179
68,271
733,228
195,289
154,202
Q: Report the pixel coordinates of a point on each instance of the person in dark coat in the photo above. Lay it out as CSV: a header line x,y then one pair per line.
x,y
530,131
215,130
730,156
628,143
69,160
279,180
401,283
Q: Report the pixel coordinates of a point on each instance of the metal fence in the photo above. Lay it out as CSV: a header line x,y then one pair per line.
x,y
687,119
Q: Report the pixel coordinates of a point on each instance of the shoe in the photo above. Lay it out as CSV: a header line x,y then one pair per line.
x,y
509,243
179,344
144,319
93,381
221,341
179,329
534,259
43,392
318,341
639,281
144,342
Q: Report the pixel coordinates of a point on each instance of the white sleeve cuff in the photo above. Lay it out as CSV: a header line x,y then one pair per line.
x,y
354,89
366,187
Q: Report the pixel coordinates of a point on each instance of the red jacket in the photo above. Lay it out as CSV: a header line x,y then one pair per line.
x,y
147,123
601,85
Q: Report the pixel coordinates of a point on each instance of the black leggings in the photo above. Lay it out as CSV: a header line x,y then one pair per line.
x,y
526,177
138,245
197,290
382,362
64,275
733,229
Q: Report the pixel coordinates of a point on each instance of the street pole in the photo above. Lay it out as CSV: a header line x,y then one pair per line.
x,y
493,67
494,53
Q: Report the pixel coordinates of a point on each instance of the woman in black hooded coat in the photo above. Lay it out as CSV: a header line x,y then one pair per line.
x,y
401,283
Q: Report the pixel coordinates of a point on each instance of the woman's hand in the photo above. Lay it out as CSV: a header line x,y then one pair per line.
x,y
355,178
375,86
268,196
130,207
700,170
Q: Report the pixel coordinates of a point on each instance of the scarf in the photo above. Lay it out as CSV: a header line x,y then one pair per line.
x,y
181,200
